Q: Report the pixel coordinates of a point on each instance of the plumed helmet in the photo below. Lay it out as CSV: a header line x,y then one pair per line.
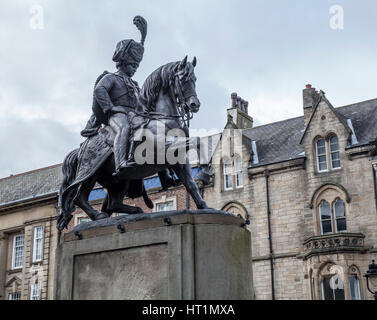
x,y
130,51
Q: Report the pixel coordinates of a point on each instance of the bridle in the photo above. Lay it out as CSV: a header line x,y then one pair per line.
x,y
179,98
181,104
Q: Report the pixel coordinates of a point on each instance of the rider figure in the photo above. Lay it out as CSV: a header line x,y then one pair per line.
x,y
117,94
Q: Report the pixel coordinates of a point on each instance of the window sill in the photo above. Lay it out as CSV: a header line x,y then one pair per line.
x,y
332,171
239,189
17,270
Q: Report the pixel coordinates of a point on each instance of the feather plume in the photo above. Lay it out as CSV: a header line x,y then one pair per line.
x,y
141,24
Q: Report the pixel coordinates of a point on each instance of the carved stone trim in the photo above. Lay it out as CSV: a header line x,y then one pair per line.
x,y
333,243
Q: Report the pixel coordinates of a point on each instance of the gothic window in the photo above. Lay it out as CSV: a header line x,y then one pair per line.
x,y
332,288
334,152
332,217
18,251
237,209
354,287
339,215
325,217
327,151
321,155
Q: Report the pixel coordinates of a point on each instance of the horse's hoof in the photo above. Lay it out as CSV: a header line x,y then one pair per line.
x,y
101,215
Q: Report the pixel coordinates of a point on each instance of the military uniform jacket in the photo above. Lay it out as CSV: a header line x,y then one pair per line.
x,y
113,89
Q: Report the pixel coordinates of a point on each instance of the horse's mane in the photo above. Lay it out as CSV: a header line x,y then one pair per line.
x,y
157,80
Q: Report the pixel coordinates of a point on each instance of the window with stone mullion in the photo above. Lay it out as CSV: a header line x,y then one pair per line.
x,y
334,151
228,184
339,216
321,155
238,169
325,217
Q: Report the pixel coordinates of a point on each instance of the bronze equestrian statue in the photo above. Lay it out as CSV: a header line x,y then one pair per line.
x,y
121,110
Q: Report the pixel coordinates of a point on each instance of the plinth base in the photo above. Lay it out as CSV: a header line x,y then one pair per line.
x,y
197,254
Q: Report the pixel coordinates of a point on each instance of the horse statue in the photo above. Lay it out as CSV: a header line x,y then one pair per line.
x,y
167,99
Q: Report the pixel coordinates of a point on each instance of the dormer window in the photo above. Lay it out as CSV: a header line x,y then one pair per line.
x,y
327,150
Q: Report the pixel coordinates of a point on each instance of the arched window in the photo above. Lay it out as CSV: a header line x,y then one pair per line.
x,y
321,155
238,169
339,216
332,283
325,217
327,150
227,172
334,152
354,287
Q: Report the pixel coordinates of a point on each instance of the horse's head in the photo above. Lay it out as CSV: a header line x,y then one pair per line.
x,y
185,85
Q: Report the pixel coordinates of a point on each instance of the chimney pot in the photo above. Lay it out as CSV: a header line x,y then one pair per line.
x,y
233,96
239,102
247,107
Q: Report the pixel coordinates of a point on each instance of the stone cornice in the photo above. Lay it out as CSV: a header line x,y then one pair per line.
x,y
28,202
360,151
277,167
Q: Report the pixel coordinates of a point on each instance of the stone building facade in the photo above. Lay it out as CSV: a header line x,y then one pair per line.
x,y
307,186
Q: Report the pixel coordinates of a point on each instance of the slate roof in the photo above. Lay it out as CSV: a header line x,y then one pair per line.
x,y
30,184
280,141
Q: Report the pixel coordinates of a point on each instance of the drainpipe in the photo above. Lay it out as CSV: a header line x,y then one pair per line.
x,y
375,182
267,174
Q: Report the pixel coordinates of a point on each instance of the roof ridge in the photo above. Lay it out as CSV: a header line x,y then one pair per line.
x,y
268,124
31,171
352,104
347,105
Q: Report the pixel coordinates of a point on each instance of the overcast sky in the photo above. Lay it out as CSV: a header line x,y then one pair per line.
x,y
265,50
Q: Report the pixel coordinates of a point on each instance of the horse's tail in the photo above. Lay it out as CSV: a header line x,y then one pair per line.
x,y
66,205
69,168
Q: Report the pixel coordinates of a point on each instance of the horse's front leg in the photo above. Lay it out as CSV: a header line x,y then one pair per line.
x,y
183,171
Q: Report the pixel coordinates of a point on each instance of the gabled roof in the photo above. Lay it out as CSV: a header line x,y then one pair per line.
x,y
340,117
280,141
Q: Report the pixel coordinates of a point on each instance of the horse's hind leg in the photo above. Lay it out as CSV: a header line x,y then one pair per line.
x,y
114,201
81,199
184,174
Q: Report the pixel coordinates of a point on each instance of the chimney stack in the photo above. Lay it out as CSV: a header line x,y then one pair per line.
x,y
310,98
239,112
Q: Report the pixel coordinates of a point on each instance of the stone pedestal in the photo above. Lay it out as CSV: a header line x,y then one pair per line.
x,y
197,254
